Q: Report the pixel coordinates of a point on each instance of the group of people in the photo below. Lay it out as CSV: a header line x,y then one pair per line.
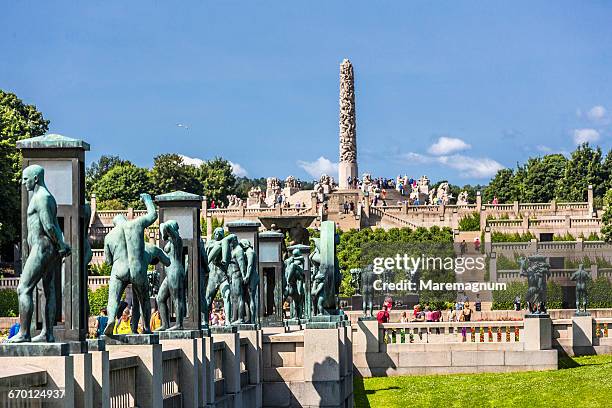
x,y
460,312
125,322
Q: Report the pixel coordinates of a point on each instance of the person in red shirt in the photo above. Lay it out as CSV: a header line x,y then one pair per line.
x,y
383,315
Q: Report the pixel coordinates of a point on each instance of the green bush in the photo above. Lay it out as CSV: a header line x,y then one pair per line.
x,y
504,299
599,293
470,222
102,269
97,299
9,303
566,237
112,205
514,237
504,263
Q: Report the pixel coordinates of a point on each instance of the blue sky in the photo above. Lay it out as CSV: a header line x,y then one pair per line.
x,y
256,82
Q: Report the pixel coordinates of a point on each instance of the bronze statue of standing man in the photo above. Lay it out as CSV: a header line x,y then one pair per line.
x,y
47,248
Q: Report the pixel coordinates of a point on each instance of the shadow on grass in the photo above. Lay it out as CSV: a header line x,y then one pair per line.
x,y
361,394
567,362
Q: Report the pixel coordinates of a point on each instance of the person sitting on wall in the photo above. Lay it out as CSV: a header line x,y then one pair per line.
x,y
466,313
419,315
383,315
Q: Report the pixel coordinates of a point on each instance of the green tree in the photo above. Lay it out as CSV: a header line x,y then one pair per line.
x,y
99,168
607,167
606,218
170,173
17,121
541,177
244,184
584,168
217,179
124,183
501,187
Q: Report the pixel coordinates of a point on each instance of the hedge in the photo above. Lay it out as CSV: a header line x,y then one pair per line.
x,y
98,299
9,303
504,299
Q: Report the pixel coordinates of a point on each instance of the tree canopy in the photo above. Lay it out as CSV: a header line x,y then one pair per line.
x,y
170,173
124,183
17,121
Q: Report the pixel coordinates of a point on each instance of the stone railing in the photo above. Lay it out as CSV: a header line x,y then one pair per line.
x,y
385,216
9,283
93,282
554,246
171,389
122,375
451,332
219,380
14,380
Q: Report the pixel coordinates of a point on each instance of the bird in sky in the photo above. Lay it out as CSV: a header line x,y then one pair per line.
x,y
182,126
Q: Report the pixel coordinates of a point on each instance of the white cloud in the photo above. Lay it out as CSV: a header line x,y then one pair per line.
x,y
471,166
318,167
466,165
597,113
543,149
192,161
416,158
585,135
237,169
446,145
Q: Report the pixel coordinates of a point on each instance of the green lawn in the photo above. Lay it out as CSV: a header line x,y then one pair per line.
x,y
581,382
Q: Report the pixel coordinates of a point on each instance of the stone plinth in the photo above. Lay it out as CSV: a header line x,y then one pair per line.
x,y
59,376
582,332
100,367
344,171
253,363
131,339
189,366
206,372
149,376
366,338
178,334
34,349
538,332
231,364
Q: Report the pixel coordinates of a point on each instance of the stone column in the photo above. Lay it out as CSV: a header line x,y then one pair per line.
x,y
231,364
493,267
149,373
348,130
254,365
189,365
184,208
582,335
63,160
590,200
206,372
538,333
100,378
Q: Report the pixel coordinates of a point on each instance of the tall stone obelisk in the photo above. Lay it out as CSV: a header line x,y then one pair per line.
x,y
348,130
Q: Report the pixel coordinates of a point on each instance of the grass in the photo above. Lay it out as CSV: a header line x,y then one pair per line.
x,y
580,381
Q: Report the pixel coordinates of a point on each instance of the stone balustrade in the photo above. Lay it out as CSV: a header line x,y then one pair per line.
x,y
122,379
451,332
